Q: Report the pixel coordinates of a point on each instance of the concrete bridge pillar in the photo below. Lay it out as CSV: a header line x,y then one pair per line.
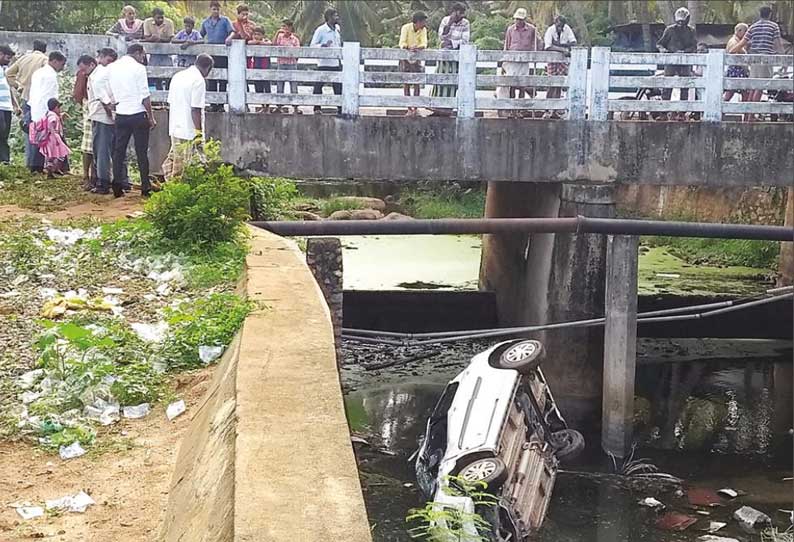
x,y
786,265
549,278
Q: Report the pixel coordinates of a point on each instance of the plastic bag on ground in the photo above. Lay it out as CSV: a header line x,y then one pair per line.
x,y
71,503
30,512
137,411
72,451
208,354
175,409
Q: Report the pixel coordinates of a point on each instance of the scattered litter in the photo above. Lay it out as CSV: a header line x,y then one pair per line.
x,y
208,354
152,333
47,293
358,440
175,409
103,412
70,237
712,538
668,275
72,451
30,512
164,289
26,380
71,503
9,295
149,297
136,214
674,521
30,396
408,484
19,280
703,512
714,526
58,305
700,496
115,291
137,411
729,493
750,519
650,502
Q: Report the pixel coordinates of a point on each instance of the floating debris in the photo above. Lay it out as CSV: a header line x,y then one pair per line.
x,y
674,521
729,493
714,526
650,502
751,519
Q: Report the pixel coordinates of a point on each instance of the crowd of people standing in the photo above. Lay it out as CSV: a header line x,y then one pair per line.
x,y
115,93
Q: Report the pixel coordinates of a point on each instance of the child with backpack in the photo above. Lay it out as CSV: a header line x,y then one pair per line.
x,y
47,135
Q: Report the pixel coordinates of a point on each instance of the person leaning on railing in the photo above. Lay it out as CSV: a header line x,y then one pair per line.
x,y
186,37
413,37
737,46
328,34
286,37
129,26
679,37
559,37
453,32
217,29
158,29
519,36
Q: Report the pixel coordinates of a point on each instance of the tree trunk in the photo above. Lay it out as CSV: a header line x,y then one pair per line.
x,y
668,10
695,13
583,34
644,18
616,12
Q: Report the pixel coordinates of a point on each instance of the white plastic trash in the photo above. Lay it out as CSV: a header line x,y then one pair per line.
x,y
72,451
26,380
208,354
113,291
727,492
750,519
713,538
137,411
650,502
152,333
175,409
30,512
71,503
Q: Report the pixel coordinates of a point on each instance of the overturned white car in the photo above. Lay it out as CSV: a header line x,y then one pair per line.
x,y
497,423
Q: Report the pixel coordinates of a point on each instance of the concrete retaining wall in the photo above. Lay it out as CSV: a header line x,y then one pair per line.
x,y
268,454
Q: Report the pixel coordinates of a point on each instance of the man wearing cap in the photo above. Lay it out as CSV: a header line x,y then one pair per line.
x,y
520,36
679,37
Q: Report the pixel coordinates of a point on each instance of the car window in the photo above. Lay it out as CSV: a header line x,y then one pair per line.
x,y
442,407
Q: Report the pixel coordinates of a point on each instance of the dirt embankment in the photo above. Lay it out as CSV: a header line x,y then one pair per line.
x,y
111,209
128,474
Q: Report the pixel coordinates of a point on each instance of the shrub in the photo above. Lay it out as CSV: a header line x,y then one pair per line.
x,y
339,204
208,206
271,196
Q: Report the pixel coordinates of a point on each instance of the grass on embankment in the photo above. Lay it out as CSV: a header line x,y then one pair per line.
x,y
35,192
721,252
449,202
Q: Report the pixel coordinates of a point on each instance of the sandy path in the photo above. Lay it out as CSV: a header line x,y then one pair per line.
x,y
130,486
105,208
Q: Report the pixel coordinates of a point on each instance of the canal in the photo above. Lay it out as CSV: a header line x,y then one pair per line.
x,y
713,412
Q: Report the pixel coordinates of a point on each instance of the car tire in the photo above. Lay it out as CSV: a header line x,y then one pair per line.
x,y
490,470
521,356
567,444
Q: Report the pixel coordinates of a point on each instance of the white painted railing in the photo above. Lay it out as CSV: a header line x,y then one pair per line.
x,y
587,88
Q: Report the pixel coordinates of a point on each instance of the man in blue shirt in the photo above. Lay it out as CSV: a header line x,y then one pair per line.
x,y
328,35
217,29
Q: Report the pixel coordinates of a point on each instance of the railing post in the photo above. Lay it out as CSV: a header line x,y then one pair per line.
x,y
620,344
599,83
467,81
351,65
712,97
577,84
238,86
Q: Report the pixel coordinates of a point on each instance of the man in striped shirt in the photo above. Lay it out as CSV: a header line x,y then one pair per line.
x,y
764,39
7,104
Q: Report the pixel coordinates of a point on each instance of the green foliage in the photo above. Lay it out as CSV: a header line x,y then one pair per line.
x,y
69,435
211,321
271,197
20,187
488,32
339,204
208,206
743,252
444,201
438,522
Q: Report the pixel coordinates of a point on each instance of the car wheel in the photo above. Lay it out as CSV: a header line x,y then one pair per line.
x,y
567,444
490,470
521,356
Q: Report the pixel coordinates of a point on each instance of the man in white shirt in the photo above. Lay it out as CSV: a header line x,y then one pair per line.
x,y
129,88
100,112
43,87
186,101
328,35
559,37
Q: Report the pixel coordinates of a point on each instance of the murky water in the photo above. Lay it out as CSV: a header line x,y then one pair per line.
x,y
453,262
713,423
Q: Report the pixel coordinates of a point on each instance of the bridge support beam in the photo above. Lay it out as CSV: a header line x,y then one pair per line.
x,y
547,278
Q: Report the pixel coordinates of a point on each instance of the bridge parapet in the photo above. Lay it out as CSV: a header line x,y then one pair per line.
x,y
595,88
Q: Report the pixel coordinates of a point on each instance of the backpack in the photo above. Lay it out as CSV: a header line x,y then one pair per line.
x,y
38,131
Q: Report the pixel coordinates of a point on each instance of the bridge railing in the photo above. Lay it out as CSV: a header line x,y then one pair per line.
x,y
367,77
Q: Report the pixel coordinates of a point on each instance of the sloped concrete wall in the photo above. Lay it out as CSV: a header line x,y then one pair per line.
x,y
268,456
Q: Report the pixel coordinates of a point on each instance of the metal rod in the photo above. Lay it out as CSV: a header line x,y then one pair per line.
x,y
580,224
